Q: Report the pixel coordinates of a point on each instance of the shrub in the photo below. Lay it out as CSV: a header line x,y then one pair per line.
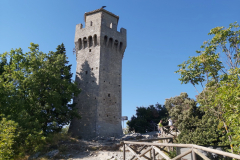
x,y
7,135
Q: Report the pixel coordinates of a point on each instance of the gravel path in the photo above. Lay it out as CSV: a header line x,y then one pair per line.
x,y
102,155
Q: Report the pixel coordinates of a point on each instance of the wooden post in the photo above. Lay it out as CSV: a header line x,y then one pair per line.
x,y
150,154
153,154
124,157
200,154
193,155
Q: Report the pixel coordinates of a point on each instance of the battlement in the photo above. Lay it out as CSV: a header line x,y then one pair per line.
x,y
99,17
100,10
100,30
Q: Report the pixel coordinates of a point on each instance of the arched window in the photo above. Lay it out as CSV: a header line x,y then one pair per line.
x,y
79,44
110,42
105,40
90,40
84,42
116,44
111,25
121,45
95,40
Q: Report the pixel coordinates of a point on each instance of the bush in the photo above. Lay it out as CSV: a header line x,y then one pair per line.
x,y
7,135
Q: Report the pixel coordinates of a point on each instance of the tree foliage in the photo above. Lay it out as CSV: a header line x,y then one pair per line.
x,y
8,134
195,126
216,69
35,89
147,117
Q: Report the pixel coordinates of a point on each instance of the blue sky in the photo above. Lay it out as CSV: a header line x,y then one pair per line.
x,y
160,35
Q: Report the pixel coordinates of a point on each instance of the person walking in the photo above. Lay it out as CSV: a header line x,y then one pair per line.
x,y
170,123
160,128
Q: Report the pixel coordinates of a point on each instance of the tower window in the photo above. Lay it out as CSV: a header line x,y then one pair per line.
x,y
108,95
90,50
105,40
116,44
91,23
92,68
95,40
110,42
84,42
111,25
86,72
90,41
79,44
121,44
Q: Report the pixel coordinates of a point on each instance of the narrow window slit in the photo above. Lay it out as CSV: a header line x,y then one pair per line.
x,y
105,40
95,40
84,42
90,40
121,44
80,44
110,42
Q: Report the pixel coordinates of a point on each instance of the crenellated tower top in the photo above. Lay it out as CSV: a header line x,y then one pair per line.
x,y
100,10
100,29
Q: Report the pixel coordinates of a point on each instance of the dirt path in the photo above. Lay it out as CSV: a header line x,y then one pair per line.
x,y
102,155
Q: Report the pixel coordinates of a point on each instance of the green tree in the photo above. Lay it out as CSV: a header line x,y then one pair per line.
x,y
36,89
147,117
195,126
216,69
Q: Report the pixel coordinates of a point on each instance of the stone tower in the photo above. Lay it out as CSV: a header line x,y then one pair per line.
x,y
99,52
